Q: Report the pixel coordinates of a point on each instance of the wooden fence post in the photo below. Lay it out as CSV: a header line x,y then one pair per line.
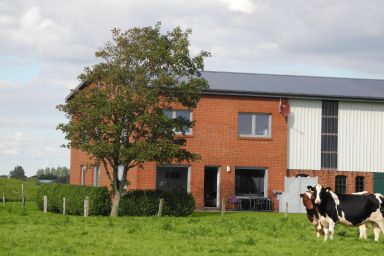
x,y
3,199
222,207
64,202
22,196
45,204
86,206
286,209
161,204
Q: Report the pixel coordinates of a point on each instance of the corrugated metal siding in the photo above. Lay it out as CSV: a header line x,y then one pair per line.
x,y
361,137
304,135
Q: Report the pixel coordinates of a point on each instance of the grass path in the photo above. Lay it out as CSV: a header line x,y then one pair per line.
x,y
32,232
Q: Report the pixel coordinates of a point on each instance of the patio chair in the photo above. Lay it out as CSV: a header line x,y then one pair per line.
x,y
232,200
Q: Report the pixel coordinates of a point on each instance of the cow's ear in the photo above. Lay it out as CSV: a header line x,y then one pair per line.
x,y
310,188
301,195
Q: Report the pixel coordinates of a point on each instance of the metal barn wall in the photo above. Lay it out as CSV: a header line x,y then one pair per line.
x,y
361,136
304,134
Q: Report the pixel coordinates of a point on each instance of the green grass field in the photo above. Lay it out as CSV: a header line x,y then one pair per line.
x,y
12,189
31,232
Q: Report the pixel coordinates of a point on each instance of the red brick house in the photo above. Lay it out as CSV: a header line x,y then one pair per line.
x,y
334,130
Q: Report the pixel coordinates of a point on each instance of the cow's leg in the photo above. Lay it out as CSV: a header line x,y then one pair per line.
x,y
319,229
363,231
325,233
331,229
376,231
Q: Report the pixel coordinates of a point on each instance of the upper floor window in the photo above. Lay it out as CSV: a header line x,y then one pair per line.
x,y
359,183
254,125
341,184
329,129
96,174
187,114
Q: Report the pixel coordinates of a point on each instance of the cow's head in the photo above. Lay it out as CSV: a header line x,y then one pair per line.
x,y
320,193
307,200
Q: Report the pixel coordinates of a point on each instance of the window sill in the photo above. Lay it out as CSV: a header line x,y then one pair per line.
x,y
255,138
184,136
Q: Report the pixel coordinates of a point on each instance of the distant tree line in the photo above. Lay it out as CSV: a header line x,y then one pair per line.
x,y
58,175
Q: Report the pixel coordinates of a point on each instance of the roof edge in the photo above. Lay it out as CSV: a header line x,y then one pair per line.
x,y
291,96
79,87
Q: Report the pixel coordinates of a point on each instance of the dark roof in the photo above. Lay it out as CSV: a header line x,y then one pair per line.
x,y
290,86
248,84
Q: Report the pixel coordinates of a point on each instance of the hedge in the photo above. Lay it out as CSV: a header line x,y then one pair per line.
x,y
99,198
146,203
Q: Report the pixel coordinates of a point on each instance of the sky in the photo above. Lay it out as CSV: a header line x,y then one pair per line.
x,y
45,45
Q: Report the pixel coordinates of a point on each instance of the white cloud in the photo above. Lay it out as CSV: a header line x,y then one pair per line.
x,y
244,6
12,144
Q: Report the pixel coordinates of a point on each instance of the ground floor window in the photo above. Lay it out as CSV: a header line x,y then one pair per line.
x,y
250,181
341,184
172,178
96,173
359,183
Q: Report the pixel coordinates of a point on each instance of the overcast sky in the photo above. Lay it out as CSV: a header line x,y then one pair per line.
x,y
44,46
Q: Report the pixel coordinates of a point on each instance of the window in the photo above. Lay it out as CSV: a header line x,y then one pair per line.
x,y
329,129
96,173
187,114
83,168
254,125
341,184
250,181
172,178
359,183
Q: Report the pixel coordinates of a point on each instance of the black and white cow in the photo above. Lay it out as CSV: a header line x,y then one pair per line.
x,y
314,217
350,210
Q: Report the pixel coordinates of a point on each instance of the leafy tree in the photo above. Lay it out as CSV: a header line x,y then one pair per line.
x,y
4,176
17,173
118,117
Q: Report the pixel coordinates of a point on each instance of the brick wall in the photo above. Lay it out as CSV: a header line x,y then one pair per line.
x,y
327,178
215,138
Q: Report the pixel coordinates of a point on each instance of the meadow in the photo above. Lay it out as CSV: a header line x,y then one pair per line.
x,y
31,232
12,189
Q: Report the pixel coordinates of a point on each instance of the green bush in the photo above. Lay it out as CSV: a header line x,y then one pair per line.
x,y
99,198
146,203
12,189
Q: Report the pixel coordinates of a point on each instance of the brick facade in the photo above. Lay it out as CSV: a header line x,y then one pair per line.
x,y
327,178
215,138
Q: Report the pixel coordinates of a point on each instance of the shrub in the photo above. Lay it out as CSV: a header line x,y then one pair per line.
x,y
146,203
99,198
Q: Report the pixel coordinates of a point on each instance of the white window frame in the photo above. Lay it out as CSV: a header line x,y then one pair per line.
x,y
253,134
96,175
83,170
120,171
174,116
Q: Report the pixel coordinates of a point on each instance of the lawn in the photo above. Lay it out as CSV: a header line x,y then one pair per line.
x,y
31,232
12,189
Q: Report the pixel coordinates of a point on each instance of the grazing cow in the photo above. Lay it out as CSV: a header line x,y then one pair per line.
x,y
350,210
314,216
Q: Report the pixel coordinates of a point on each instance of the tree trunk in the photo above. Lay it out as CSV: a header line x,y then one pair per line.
x,y
115,204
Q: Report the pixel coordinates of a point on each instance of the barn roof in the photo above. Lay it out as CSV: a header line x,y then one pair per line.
x,y
290,86
248,84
